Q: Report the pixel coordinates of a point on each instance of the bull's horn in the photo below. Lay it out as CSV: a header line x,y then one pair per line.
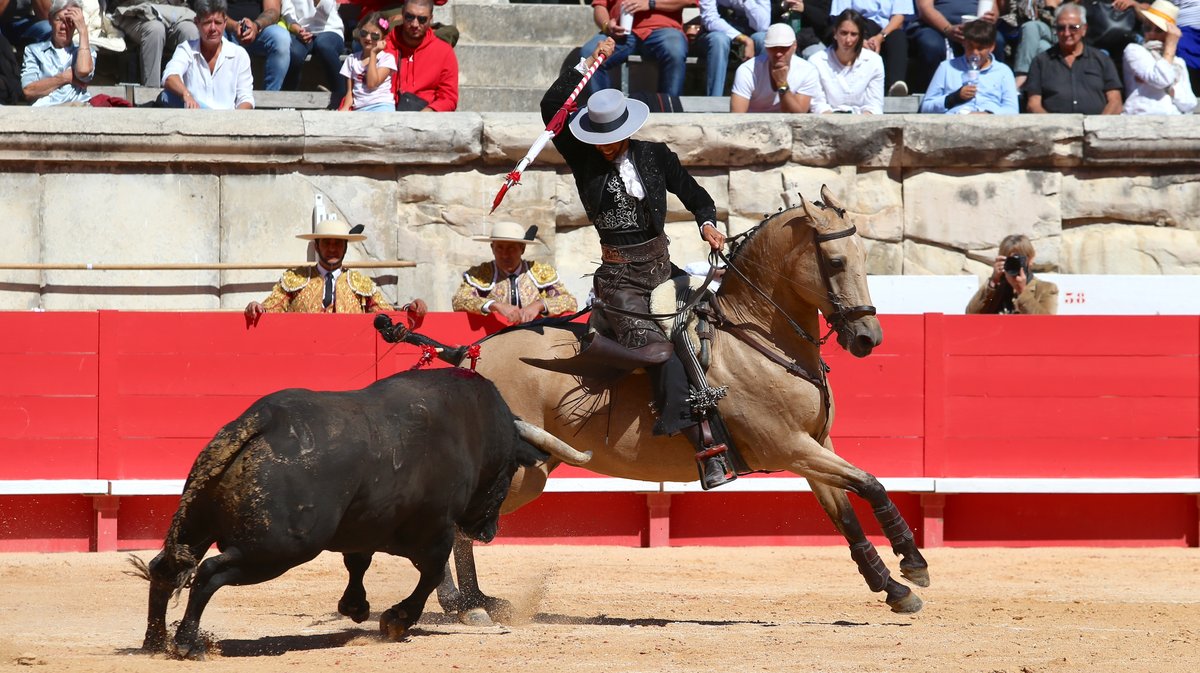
x,y
551,444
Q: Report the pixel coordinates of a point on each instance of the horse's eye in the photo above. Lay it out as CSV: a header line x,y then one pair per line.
x,y
838,263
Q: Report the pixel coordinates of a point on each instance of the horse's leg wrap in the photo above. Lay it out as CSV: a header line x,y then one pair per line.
x,y
870,565
894,526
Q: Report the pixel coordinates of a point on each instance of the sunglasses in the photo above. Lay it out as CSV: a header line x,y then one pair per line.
x,y
409,18
1065,27
370,34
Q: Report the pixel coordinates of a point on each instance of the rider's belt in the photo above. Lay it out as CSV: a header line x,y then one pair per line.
x,y
642,252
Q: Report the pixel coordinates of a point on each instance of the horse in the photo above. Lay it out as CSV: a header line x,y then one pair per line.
x,y
778,409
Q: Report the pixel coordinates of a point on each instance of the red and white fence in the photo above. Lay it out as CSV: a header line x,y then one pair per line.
x,y
989,430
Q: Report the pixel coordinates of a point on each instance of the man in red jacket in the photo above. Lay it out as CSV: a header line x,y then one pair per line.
x,y
427,79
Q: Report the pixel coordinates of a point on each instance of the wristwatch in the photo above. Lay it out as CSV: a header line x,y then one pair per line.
x,y
782,90
651,3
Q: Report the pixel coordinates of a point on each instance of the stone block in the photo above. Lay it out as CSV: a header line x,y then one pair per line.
x,y
532,64
972,211
1145,140
875,204
722,140
924,260
1130,249
263,214
846,140
131,218
507,137
992,141
1160,198
21,230
884,258
152,136
403,138
542,24
757,192
716,183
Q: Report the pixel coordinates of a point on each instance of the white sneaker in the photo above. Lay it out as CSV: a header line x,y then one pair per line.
x,y
898,88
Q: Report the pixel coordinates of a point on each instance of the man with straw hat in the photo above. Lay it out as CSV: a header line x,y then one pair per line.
x,y
623,184
510,287
326,287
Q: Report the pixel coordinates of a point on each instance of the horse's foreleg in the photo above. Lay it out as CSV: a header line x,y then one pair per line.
x,y
870,565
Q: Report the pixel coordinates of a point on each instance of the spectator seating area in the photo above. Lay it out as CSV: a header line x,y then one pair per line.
x,y
508,53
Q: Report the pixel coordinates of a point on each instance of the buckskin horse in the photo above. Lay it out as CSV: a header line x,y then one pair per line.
x,y
778,408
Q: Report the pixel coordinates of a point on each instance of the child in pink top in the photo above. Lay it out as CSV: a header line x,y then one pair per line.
x,y
369,75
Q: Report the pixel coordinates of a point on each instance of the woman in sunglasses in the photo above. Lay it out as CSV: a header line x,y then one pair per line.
x,y
369,74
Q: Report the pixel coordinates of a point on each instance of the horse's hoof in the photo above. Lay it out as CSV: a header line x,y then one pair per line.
x,y
393,624
906,605
358,612
475,617
918,576
499,609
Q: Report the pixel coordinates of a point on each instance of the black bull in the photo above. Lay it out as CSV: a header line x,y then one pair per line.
x,y
394,467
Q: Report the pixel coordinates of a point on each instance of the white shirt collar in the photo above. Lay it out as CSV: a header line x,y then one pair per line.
x,y
629,176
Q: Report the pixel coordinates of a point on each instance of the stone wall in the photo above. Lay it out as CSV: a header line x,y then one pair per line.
x,y
930,195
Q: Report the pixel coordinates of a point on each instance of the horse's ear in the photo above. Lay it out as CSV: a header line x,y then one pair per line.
x,y
807,209
828,199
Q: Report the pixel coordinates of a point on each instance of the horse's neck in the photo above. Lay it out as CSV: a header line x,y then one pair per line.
x,y
742,304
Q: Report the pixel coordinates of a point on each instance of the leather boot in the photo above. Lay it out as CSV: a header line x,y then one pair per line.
x,y
711,459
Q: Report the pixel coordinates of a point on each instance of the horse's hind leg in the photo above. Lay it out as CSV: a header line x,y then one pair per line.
x,y
872,568
353,603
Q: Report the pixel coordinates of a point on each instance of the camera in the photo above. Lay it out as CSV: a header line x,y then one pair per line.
x,y
1015,264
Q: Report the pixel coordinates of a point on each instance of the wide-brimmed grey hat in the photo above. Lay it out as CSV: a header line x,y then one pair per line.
x,y
509,232
609,117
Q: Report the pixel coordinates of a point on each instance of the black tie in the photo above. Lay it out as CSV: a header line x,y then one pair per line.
x,y
512,284
329,281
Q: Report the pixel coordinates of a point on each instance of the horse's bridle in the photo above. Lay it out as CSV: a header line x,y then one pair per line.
x,y
841,316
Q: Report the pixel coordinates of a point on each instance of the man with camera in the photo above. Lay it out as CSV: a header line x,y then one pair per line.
x,y
1013,287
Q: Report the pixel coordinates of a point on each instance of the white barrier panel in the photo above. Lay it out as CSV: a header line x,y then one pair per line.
x,y
1077,294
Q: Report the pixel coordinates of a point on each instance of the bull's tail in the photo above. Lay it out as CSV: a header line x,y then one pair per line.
x,y
210,466
180,559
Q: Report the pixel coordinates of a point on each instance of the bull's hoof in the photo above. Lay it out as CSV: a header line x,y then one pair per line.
x,y
918,576
196,652
499,609
394,624
355,610
907,604
475,617
155,642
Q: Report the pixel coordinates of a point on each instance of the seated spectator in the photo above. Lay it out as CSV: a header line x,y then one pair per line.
x,y
742,21
510,287
1012,288
327,287
24,22
316,29
885,36
974,83
157,28
778,80
939,26
210,73
393,11
656,33
1071,77
851,77
1036,36
428,82
1156,80
57,72
254,24
369,74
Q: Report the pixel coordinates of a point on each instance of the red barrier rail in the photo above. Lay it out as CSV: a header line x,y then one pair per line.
x,y
102,398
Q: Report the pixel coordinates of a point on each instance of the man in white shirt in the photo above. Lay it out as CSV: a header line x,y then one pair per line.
x,y
209,73
777,81
744,21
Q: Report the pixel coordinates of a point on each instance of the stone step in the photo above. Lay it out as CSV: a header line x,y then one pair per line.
x,y
499,99
502,23
510,65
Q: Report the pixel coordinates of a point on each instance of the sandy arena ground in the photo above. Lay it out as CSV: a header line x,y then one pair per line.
x,y
623,610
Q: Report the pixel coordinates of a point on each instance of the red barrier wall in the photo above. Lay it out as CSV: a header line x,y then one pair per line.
x,y
115,396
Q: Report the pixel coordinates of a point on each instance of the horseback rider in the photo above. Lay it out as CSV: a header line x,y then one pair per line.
x,y
623,184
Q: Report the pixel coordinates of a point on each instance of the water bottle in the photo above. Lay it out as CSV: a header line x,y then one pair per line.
x,y
972,75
